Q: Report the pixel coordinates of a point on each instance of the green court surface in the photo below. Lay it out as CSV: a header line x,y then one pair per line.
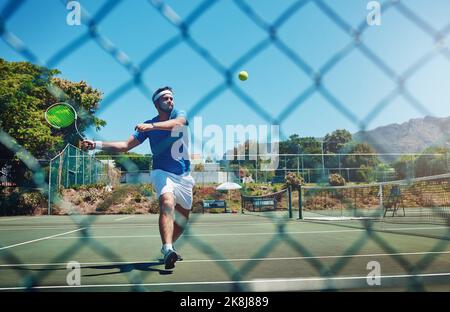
x,y
222,252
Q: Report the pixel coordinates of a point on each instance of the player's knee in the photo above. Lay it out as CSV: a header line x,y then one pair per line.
x,y
167,206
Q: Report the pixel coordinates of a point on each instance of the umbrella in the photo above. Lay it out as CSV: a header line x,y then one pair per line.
x,y
227,186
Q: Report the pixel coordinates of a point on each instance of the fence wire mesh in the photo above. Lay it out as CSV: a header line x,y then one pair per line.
x,y
73,167
271,39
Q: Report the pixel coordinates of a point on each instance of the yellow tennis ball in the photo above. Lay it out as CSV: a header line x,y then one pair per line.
x,y
243,75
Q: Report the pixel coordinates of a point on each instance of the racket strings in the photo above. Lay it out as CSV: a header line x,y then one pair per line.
x,y
60,116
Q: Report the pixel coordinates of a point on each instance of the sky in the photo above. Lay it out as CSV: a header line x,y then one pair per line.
x,y
281,87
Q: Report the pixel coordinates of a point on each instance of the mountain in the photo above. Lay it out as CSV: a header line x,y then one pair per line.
x,y
410,137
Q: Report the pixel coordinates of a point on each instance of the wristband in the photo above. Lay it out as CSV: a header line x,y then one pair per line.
x,y
98,145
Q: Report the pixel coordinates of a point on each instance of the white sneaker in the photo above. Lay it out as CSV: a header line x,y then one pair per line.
x,y
180,258
169,259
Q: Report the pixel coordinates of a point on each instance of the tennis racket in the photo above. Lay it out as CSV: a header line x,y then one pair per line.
x,y
62,115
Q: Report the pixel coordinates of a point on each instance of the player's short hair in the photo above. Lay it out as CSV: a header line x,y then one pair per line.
x,y
160,90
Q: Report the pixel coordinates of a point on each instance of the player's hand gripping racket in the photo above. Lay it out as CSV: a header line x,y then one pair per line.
x,y
62,115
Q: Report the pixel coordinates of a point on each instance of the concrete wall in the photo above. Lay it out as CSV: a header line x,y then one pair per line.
x,y
213,177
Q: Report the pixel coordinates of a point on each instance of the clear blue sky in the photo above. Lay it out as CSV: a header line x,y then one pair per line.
x,y
137,29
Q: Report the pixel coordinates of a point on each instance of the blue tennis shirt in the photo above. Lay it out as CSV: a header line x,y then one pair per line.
x,y
161,143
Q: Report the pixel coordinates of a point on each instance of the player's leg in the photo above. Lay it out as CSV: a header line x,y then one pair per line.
x,y
184,198
166,228
166,217
181,219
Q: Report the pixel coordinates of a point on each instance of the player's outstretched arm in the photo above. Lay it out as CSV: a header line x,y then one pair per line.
x,y
121,146
167,125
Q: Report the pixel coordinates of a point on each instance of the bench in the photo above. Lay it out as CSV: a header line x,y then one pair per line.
x,y
214,203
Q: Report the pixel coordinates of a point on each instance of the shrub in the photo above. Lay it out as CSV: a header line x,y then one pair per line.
x,y
336,180
138,198
20,201
293,180
154,207
146,190
199,168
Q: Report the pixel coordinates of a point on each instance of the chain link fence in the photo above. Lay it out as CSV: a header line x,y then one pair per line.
x,y
73,167
271,39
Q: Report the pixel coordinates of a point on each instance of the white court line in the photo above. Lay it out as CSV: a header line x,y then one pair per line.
x,y
256,281
126,226
40,239
124,218
344,282
241,234
134,225
207,235
11,219
419,253
41,228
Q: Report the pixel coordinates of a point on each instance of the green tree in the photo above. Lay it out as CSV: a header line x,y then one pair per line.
x,y
298,145
403,167
423,165
335,141
358,159
129,161
26,91
427,165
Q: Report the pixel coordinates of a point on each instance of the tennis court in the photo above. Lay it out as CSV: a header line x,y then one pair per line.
x,y
222,252
322,75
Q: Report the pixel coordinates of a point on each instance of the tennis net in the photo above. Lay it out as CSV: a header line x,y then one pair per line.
x,y
424,200
274,205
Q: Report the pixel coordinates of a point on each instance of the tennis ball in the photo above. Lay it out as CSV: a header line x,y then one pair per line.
x,y
243,75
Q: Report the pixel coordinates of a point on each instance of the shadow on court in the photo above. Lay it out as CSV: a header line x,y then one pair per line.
x,y
129,267
119,268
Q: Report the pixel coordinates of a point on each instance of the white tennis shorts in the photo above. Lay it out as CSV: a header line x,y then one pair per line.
x,y
179,185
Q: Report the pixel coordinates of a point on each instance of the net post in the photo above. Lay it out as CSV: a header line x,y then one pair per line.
x,y
300,203
290,201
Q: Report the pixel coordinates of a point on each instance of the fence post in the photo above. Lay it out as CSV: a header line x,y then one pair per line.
x,y
60,169
84,160
49,209
256,178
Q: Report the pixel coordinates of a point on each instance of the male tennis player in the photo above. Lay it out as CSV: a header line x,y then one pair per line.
x,y
171,171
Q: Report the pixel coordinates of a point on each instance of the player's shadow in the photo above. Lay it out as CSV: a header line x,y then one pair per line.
x,y
120,268
127,268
